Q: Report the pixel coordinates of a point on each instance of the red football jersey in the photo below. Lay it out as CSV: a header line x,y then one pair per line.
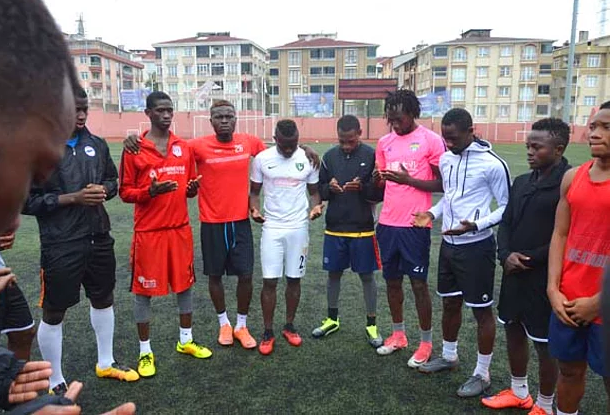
x,y
225,171
169,210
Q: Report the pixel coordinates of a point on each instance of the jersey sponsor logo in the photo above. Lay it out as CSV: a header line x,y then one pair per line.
x,y
227,159
299,166
90,151
239,148
410,165
169,170
271,167
485,297
414,147
177,151
286,182
362,164
148,284
591,259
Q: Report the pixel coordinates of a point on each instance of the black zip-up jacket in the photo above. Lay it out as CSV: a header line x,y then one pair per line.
x,y
529,218
350,211
88,162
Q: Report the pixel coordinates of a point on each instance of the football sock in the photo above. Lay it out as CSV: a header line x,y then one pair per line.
x,y
145,347
241,321
545,402
333,313
333,288
426,336
223,319
102,321
371,321
50,344
482,368
186,335
519,386
369,289
450,351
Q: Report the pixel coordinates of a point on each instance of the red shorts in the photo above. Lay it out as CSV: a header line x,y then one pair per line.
x,y
162,259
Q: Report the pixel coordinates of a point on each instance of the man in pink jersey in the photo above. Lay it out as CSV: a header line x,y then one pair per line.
x,y
580,248
407,166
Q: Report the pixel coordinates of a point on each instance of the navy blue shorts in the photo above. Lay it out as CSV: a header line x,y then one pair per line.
x,y
341,252
404,251
569,344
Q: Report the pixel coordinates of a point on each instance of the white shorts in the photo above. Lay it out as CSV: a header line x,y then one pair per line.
x,y
284,252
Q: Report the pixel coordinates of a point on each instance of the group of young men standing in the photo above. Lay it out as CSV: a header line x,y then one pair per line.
x,y
160,171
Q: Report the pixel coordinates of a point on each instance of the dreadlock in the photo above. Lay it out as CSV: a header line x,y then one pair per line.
x,y
403,100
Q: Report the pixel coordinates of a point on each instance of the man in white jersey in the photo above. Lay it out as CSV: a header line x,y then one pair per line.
x,y
287,177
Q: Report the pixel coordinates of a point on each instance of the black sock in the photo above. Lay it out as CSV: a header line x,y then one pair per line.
x,y
268,334
290,327
370,320
333,313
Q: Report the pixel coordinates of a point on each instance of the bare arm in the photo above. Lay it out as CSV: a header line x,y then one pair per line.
x,y
255,202
403,177
316,201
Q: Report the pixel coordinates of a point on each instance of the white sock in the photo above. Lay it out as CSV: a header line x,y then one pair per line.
x,y
483,362
566,413
545,402
519,386
223,319
50,344
450,351
186,335
145,347
102,322
241,321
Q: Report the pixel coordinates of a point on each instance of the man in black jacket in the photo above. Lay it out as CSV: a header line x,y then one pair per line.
x,y
523,249
76,246
349,239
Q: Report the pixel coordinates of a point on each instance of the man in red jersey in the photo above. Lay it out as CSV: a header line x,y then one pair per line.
x,y
580,248
158,180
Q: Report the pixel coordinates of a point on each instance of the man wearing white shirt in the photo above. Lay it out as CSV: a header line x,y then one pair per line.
x,y
286,176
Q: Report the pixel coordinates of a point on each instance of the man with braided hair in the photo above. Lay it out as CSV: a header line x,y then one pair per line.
x,y
407,168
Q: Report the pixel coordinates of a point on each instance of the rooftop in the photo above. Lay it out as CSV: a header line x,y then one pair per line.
x,y
321,40
206,37
475,36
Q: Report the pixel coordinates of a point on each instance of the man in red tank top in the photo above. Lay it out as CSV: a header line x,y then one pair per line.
x,y
580,248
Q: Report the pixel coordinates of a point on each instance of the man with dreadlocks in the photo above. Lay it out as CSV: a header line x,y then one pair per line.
x,y
407,167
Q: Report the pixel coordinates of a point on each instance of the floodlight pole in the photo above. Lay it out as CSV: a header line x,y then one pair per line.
x,y
567,99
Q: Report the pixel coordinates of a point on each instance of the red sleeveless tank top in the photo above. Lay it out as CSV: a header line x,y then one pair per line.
x,y
587,248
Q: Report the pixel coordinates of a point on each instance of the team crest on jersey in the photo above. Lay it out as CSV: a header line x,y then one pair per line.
x,y
152,174
177,151
414,147
90,151
299,166
147,283
239,148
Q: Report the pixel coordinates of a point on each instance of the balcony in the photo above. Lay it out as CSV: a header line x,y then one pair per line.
x,y
96,83
95,67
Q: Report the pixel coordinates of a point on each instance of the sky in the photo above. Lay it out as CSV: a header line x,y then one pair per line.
x,y
395,26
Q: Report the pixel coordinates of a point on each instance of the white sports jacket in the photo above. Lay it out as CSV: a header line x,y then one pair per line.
x,y
470,181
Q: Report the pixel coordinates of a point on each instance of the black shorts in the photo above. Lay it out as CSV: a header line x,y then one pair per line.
x,y
227,248
15,313
66,266
523,300
468,270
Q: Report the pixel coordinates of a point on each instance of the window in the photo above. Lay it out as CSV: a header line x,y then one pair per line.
x,y
506,51
503,111
274,55
232,69
328,89
172,71
96,76
542,110
203,51
525,113
159,72
350,73
232,51
526,93
274,90
247,104
328,54
544,89
459,55
246,68
591,81
108,77
529,53
187,52
458,94
217,51
329,71
371,71
504,91
593,61
504,71
97,92
218,69
275,108
439,71
316,54
480,111
481,92
188,69
315,89
172,88
527,73
556,64
546,48
482,71
483,52
440,52
371,51
171,53
351,56
83,59
246,87
188,86
292,92
458,74
274,72
590,100
84,76
203,69
545,70
294,76
315,72
294,58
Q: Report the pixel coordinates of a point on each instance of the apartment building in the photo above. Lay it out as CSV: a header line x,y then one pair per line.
x,y
149,60
497,79
104,70
404,68
313,65
590,80
212,65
